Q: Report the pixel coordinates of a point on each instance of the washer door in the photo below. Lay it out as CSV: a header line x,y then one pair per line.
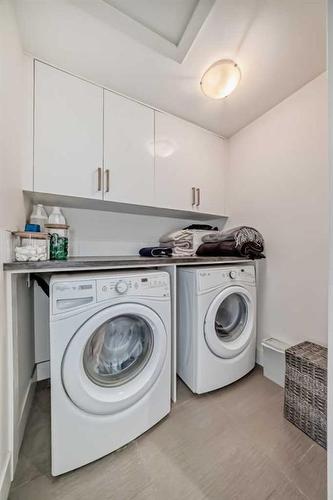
x,y
114,358
229,322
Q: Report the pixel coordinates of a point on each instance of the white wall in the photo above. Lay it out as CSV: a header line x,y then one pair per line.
x,y
106,233
278,182
11,67
11,200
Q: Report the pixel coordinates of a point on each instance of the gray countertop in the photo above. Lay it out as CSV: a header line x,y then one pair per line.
x,y
81,263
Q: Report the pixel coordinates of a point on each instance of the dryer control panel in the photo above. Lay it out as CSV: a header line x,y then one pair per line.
x,y
212,277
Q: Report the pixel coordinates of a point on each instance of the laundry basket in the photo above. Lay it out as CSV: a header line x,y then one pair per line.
x,y
305,396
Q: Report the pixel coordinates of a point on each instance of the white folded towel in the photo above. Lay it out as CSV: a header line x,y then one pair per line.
x,y
182,252
179,244
184,242
182,234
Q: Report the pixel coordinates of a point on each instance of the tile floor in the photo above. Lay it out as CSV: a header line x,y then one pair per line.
x,y
230,444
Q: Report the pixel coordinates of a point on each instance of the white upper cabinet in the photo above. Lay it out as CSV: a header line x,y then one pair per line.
x,y
177,165
189,166
95,144
212,174
68,152
128,151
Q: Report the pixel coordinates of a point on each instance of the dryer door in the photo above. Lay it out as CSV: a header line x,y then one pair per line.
x,y
114,358
229,322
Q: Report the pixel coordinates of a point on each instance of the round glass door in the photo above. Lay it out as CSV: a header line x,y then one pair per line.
x,y
118,350
114,358
229,322
231,317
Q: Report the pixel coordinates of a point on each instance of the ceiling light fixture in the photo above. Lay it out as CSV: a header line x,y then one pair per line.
x,y
220,79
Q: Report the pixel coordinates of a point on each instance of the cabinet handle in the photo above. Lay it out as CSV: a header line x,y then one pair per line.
x,y
107,175
198,197
99,179
193,196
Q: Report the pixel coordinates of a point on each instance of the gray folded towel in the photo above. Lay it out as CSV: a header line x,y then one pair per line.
x,y
240,235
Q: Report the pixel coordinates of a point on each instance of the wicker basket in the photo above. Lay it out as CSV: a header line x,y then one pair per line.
x,y
305,396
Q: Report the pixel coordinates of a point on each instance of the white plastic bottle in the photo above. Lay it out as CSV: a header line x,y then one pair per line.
x,y
38,216
56,216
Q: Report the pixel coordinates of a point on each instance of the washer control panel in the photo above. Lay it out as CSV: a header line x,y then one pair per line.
x,y
71,295
121,287
154,285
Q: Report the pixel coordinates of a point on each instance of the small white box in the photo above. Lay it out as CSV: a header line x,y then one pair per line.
x,y
274,359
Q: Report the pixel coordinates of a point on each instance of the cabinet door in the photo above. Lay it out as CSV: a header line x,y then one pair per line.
x,y
177,162
212,181
128,151
68,155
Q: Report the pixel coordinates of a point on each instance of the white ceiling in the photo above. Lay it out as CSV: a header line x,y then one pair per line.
x,y
157,15
168,27
278,44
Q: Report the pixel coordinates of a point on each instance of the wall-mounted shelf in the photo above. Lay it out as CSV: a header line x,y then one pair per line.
x,y
111,206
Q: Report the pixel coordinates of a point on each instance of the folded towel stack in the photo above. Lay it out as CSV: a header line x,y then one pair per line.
x,y
242,241
185,242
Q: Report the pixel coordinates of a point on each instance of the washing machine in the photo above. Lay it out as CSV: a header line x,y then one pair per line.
x,y
110,336
216,336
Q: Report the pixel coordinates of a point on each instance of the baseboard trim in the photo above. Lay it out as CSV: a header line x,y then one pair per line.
x,y
25,410
5,478
260,356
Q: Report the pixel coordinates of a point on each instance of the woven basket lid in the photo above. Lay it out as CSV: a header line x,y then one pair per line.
x,y
310,352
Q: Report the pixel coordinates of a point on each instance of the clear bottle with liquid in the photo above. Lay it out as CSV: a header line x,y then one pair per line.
x,y
39,216
56,216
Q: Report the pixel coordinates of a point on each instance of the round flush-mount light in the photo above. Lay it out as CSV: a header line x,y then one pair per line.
x,y
220,79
